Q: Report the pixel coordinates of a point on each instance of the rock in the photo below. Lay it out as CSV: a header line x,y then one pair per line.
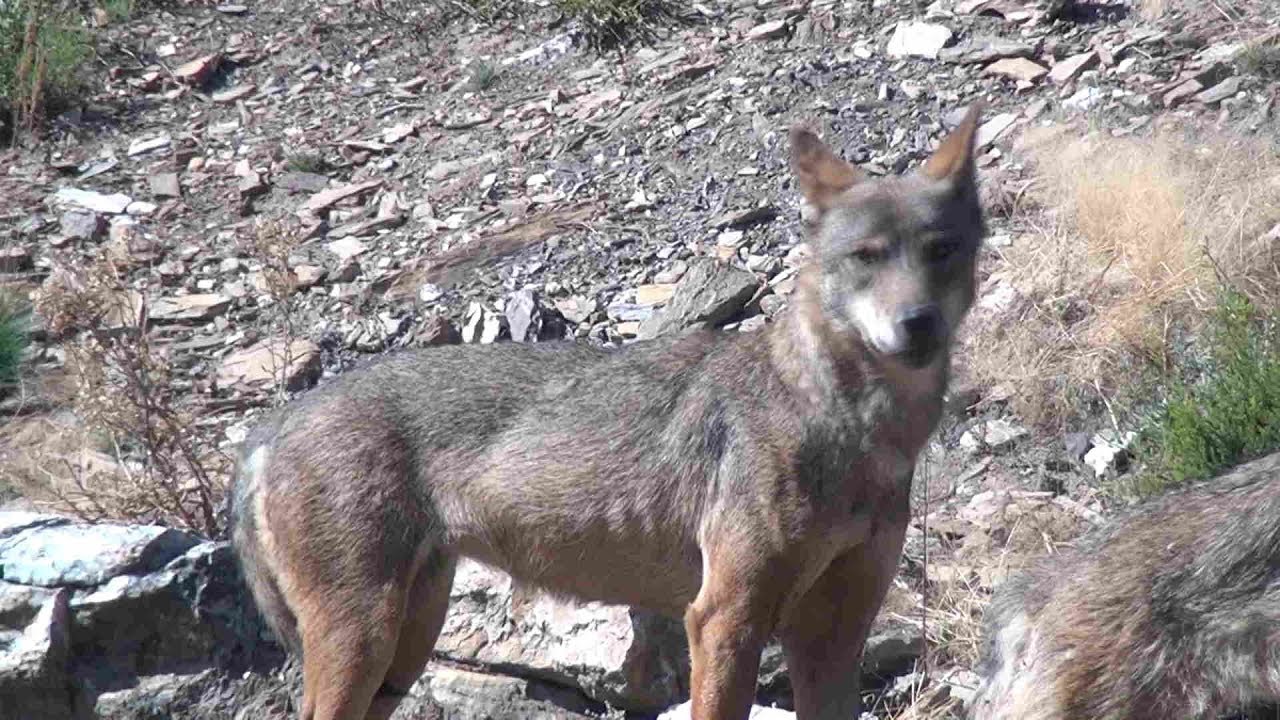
x,y
768,31
34,682
1018,68
628,312
710,292
165,185
1084,99
295,364
438,330
740,219
1223,90
346,249
191,615
991,130
235,94
95,201
84,555
305,276
146,145
524,316
252,184
997,434
327,198
299,182
1076,445
628,658
16,258
918,39
183,308
470,694
481,325
1068,69
198,71
984,49
1110,452
82,226
656,294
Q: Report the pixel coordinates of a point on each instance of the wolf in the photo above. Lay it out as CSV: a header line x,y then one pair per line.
x,y
754,484
1172,611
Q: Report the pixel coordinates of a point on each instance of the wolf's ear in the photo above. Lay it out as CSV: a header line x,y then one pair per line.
x,y
822,175
953,160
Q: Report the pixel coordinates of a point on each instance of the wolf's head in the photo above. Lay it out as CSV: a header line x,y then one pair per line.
x,y
894,258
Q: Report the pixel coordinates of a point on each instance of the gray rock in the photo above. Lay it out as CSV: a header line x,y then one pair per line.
x,y
628,658
191,615
183,308
524,316
87,555
95,201
1223,90
710,292
165,185
83,225
985,49
20,603
459,694
303,182
34,684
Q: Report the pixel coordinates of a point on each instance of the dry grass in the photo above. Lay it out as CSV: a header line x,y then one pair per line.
x,y
1130,245
135,450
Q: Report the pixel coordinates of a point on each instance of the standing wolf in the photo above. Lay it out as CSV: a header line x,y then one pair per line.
x,y
751,483
1170,613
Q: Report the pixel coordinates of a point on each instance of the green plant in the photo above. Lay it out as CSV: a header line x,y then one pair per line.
x,y
483,75
608,22
42,47
1261,59
13,343
310,162
1231,415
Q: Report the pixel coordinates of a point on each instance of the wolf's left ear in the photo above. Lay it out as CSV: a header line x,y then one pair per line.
x,y
953,160
821,174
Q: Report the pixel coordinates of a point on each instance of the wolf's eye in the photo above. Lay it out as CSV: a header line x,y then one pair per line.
x,y
867,255
941,250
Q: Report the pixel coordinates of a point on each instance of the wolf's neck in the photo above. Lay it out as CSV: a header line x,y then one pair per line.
x,y
825,368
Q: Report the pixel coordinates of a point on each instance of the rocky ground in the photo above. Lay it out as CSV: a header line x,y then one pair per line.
x,y
478,181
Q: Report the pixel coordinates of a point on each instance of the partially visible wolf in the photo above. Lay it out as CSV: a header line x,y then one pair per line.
x,y
751,483
1170,613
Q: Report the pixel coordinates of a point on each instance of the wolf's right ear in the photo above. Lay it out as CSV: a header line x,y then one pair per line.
x,y
821,174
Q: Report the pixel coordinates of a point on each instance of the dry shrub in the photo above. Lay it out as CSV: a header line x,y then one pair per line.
x,y
1130,245
154,461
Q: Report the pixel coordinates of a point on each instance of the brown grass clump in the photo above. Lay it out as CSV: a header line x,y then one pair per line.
x,y
1130,245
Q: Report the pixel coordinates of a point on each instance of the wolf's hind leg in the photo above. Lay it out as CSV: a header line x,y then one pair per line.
x,y
424,616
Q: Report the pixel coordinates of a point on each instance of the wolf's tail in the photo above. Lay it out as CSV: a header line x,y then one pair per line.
x,y
256,561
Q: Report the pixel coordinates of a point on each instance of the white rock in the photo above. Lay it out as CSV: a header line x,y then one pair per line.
x,y
918,39
96,201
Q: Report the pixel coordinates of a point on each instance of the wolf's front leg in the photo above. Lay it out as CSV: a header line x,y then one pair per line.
x,y
727,624
824,633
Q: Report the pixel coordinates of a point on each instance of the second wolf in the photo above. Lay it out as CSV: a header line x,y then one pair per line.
x,y
752,483
1171,612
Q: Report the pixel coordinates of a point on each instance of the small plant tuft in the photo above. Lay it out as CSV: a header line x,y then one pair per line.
x,y
1261,59
483,75
310,162
612,22
13,342
1232,415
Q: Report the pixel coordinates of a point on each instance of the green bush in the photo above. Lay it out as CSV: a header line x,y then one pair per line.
x,y
42,48
1231,415
13,344
606,22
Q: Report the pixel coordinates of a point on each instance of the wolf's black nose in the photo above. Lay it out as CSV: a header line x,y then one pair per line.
x,y
920,321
